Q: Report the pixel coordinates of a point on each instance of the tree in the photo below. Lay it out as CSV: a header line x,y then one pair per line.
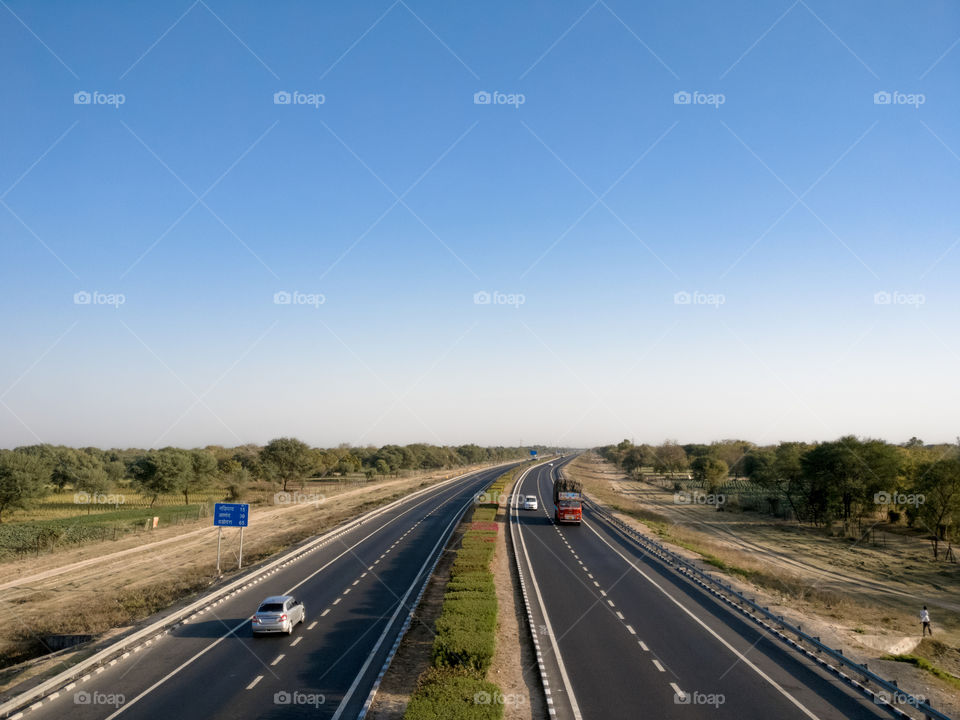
x,y
710,471
203,466
23,478
161,472
82,470
285,459
847,473
669,457
939,483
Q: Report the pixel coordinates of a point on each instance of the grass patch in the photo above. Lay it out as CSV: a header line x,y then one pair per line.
x,y
925,664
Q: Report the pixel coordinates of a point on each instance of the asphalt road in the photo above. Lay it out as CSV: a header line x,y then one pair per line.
x,y
357,591
623,636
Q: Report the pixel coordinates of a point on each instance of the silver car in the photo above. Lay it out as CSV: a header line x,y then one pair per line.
x,y
278,614
530,503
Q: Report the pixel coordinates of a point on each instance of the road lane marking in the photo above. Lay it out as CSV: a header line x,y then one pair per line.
x,y
706,627
130,703
355,582
280,657
312,625
257,679
337,601
323,614
680,693
619,614
659,666
643,645
632,631
347,591
297,641
571,698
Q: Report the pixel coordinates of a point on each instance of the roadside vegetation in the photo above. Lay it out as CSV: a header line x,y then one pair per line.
x,y
456,686
54,496
849,485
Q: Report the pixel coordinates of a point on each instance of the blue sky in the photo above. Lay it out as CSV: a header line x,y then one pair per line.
x,y
774,260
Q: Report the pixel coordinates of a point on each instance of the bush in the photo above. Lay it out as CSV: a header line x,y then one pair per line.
x,y
465,641
453,695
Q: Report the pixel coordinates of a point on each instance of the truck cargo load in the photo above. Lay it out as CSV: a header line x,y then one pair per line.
x,y
568,499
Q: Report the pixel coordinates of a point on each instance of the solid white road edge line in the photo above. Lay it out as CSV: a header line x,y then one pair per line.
x,y
706,627
546,619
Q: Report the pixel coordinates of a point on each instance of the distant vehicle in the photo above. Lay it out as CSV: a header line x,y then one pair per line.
x,y
530,503
278,614
568,498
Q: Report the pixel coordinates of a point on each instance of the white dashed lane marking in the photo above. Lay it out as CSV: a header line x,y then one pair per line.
x,y
643,645
257,679
279,658
658,666
296,642
312,625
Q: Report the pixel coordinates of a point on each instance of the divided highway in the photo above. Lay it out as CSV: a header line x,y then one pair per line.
x,y
622,635
357,589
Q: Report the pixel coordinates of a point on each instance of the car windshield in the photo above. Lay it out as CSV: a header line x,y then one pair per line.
x,y
271,607
531,498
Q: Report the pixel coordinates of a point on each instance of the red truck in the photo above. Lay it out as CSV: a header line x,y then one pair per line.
x,y
568,499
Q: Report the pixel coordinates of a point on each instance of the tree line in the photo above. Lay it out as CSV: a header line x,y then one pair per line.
x,y
31,472
850,479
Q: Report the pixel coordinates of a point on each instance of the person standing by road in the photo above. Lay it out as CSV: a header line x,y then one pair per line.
x,y
925,622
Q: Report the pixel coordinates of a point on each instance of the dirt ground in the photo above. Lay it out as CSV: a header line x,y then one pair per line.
x,y
863,597
102,588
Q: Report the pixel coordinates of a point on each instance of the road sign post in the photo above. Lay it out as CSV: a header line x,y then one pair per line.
x,y
230,515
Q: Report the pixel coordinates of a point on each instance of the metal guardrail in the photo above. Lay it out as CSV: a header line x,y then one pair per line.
x,y
128,644
889,695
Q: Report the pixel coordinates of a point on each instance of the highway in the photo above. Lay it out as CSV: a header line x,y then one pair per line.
x,y
623,636
357,591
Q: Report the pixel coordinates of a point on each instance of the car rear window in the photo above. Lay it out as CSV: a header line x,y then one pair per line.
x,y
532,497
271,607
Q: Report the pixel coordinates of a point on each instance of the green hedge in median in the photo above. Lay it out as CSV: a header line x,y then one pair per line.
x,y
455,688
454,695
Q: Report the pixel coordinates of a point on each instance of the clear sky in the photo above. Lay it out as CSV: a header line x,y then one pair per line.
x,y
775,259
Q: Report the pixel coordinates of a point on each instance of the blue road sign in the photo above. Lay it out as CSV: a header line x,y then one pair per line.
x,y
533,452
231,514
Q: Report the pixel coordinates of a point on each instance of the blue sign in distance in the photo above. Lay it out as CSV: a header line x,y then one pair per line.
x,y
231,514
533,452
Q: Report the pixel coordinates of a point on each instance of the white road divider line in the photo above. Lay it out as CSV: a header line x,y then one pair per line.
x,y
743,658
312,625
279,657
296,641
257,679
658,666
